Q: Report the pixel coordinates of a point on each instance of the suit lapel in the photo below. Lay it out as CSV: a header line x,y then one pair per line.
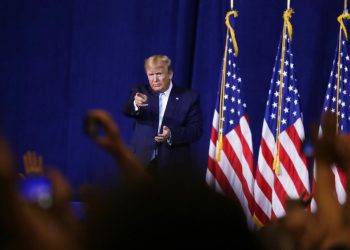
x,y
171,106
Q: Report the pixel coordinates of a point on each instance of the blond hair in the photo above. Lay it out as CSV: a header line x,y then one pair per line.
x,y
158,59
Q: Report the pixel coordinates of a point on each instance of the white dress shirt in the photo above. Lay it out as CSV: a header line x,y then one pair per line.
x,y
163,101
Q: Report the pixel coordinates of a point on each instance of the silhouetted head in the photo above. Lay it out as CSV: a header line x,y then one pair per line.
x,y
170,213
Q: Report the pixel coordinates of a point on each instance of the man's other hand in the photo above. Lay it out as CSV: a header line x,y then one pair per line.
x,y
166,134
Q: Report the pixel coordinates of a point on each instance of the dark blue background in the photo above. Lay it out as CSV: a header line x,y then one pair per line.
x,y
60,58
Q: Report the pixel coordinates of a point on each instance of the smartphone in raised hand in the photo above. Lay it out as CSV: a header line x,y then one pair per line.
x,y
92,126
36,189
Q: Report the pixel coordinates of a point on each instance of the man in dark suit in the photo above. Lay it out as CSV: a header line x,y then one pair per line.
x,y
167,119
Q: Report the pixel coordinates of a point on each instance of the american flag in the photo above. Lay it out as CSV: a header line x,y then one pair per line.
x,y
337,99
230,166
282,168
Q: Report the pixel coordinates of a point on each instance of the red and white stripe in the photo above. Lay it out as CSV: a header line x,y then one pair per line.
x,y
233,174
339,184
272,190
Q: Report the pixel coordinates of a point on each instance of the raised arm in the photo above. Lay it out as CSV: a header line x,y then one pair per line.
x,y
33,163
113,143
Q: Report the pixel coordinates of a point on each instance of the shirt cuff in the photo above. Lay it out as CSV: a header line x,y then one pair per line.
x,y
135,106
169,140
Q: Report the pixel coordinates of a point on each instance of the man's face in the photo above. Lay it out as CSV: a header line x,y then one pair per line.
x,y
159,77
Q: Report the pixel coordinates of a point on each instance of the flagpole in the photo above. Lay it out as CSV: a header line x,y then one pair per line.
x,y
287,27
221,107
276,160
342,28
345,6
232,4
288,4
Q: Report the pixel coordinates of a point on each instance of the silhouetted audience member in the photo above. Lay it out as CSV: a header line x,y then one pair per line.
x,y
166,213
170,212
29,225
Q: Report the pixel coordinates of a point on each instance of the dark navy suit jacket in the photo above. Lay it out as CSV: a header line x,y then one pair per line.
x,y
182,115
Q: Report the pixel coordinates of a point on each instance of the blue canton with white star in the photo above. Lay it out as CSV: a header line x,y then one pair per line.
x,y
290,102
330,102
233,107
